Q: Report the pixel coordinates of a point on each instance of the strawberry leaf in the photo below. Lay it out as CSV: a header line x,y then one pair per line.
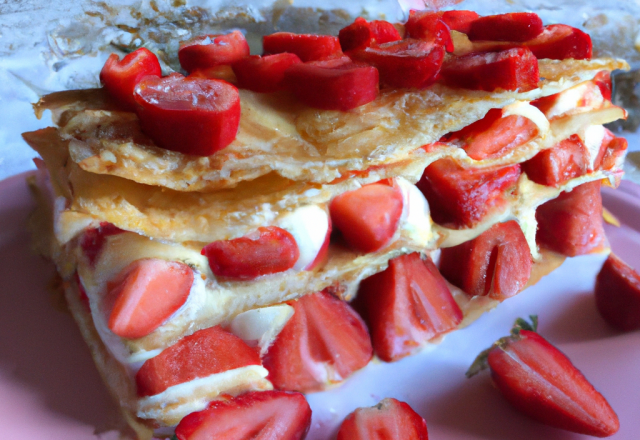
x,y
479,364
522,324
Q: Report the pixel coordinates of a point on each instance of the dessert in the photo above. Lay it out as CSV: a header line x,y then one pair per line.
x,y
194,235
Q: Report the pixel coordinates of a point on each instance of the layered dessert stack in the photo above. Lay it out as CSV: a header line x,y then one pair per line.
x,y
272,222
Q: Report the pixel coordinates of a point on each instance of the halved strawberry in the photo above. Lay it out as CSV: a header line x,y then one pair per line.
x,y
206,51
613,149
406,305
618,294
388,420
603,81
308,47
541,382
559,42
512,69
497,263
361,34
515,26
256,415
369,216
494,135
264,74
206,352
559,164
93,240
572,223
577,99
145,294
430,27
404,63
268,250
461,197
323,343
333,84
459,20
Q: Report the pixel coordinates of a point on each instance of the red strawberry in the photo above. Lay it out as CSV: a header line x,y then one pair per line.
x,y
540,381
324,342
430,27
361,34
516,26
497,263
388,420
406,305
257,415
206,352
308,47
618,294
94,239
559,164
572,223
368,216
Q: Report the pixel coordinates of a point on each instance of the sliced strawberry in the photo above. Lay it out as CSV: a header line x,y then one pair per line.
x,y
612,153
369,216
515,26
206,51
494,135
461,197
541,382
557,165
618,294
264,74
497,263
459,20
268,250
323,253
430,27
335,84
256,415
603,81
559,42
388,420
223,72
189,115
581,98
406,305
361,34
404,63
308,47
206,352
572,223
512,69
323,343
145,294
120,77
93,240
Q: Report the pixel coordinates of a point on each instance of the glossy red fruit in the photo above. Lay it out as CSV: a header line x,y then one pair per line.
x,y
541,382
459,20
461,197
94,239
559,164
120,77
308,47
612,153
603,81
496,264
361,34
581,98
145,294
206,51
618,294
572,223
429,27
206,352
264,74
268,250
406,305
335,84
405,63
367,217
189,115
256,415
515,26
559,42
324,342
388,420
494,135
512,69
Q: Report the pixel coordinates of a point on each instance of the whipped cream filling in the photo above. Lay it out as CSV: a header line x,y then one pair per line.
x,y
415,221
584,97
260,327
309,226
526,110
592,136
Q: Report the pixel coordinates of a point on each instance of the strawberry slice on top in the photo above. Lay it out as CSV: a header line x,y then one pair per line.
x,y
324,342
205,51
515,26
264,74
308,47
388,420
256,415
361,34
405,306
541,382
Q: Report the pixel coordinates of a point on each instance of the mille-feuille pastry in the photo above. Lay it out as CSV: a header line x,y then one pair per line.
x,y
210,231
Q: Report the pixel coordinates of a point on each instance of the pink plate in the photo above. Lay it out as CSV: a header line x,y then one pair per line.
x,y
49,388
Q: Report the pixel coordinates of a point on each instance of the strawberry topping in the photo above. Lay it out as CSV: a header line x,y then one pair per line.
x,y
308,47
361,34
264,74
207,51
618,294
429,27
557,165
559,42
516,26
